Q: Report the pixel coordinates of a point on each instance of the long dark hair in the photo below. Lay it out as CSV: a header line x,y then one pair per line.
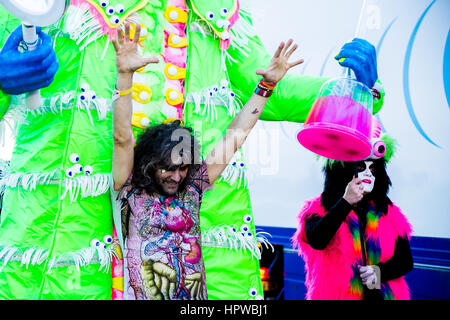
x,y
154,150
338,174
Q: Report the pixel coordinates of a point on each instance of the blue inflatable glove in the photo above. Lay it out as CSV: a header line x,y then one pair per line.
x,y
360,56
28,70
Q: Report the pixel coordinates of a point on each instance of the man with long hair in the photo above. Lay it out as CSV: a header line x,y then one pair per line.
x,y
353,238
163,181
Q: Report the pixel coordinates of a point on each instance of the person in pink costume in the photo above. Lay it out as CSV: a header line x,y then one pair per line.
x,y
353,238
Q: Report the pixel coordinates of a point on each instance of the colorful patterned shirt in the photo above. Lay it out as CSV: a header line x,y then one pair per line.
x,y
163,247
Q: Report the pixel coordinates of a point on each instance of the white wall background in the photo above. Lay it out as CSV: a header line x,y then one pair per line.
x,y
419,170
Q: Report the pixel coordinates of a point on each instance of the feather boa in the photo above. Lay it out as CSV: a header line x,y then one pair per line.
x,y
332,273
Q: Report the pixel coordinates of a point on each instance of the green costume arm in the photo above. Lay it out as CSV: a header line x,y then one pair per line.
x,y
293,96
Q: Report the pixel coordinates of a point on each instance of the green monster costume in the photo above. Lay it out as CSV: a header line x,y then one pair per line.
x,y
57,223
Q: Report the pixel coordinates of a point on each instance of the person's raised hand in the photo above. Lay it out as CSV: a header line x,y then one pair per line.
x,y
280,63
128,60
354,191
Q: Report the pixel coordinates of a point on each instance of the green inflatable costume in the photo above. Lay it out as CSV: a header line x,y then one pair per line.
x,y
57,217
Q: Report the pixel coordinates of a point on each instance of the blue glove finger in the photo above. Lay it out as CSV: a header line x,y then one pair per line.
x,y
34,81
24,64
360,45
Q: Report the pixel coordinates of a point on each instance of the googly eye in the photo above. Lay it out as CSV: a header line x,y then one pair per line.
x,y
249,235
231,94
110,10
220,23
95,243
101,245
215,89
91,95
240,164
253,292
70,173
247,218
114,19
223,12
107,239
119,8
224,83
245,228
103,3
233,229
225,35
84,87
83,96
234,163
74,158
77,168
209,15
88,170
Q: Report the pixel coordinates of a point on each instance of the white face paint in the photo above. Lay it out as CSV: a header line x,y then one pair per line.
x,y
367,177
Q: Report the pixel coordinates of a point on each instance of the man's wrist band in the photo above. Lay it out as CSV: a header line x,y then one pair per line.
x,y
124,93
264,89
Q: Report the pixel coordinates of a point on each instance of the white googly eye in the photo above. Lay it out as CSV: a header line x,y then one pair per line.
x,y
240,164
70,173
245,228
231,94
209,15
247,218
83,96
253,292
224,12
88,170
114,19
95,243
77,168
120,8
249,235
110,10
214,88
107,239
220,23
90,95
225,35
233,229
103,3
223,83
84,87
74,158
